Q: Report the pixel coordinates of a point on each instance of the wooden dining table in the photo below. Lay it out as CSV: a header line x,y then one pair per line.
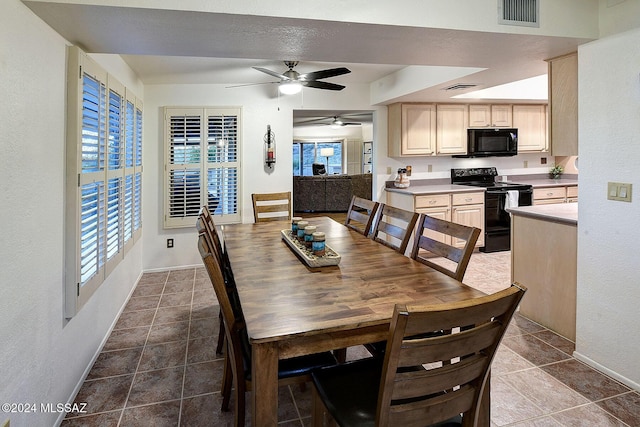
x,y
292,309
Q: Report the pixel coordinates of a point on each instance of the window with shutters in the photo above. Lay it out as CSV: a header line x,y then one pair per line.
x,y
202,164
104,171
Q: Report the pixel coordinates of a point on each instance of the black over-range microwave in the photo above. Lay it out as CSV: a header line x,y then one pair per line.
x,y
489,142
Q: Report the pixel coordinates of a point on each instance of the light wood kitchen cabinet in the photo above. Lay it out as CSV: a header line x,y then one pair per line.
x,y
411,129
468,209
531,122
486,115
452,121
436,206
461,208
563,105
549,195
572,194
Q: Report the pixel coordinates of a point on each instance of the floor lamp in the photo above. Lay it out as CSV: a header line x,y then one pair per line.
x,y
326,152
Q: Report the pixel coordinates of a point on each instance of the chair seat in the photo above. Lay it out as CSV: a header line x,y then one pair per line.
x,y
302,365
350,392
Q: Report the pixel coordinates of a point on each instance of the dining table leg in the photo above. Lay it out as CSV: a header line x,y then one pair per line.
x,y
264,379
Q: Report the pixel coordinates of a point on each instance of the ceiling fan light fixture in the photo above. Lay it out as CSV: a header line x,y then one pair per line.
x,y
290,88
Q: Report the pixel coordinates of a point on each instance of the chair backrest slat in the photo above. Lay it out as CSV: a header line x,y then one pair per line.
x,y
434,247
271,206
393,227
431,377
361,214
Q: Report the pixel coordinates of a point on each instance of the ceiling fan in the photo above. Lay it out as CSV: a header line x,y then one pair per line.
x,y
333,121
291,81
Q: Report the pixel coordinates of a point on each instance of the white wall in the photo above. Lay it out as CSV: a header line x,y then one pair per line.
x,y
608,280
42,357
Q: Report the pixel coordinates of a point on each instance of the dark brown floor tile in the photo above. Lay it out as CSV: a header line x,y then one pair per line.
x,y
200,311
117,362
587,381
178,298
179,286
556,341
202,283
303,398
508,406
205,297
165,355
181,275
547,421
179,313
165,414
204,327
625,407
132,319
203,411
156,386
589,415
143,290
154,277
286,408
142,303
127,338
543,390
202,349
203,378
106,394
534,350
168,332
525,324
105,419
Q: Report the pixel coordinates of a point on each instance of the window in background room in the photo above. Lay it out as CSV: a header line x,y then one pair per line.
x,y
202,164
104,177
305,153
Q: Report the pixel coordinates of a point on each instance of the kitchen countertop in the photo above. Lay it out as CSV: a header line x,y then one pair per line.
x,y
564,213
420,189
544,182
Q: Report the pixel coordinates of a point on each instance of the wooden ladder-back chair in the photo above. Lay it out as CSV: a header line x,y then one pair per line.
x,y
394,227
237,368
271,206
216,250
460,255
361,214
422,380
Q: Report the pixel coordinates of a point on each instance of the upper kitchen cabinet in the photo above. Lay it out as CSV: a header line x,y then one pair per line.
x,y
451,128
412,129
563,105
485,115
531,122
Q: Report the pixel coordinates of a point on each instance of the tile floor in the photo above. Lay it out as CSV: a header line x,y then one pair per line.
x,y
159,367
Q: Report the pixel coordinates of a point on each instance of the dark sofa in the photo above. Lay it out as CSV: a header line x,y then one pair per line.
x,y
329,193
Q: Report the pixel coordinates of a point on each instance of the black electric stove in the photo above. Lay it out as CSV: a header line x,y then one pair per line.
x,y
497,221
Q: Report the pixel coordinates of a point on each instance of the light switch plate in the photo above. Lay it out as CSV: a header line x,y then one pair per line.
x,y
619,191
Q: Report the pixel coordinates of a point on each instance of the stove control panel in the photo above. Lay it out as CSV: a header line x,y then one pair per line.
x,y
474,172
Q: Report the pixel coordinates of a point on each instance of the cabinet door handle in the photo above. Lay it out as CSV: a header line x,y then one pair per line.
x,y
432,202
549,194
468,199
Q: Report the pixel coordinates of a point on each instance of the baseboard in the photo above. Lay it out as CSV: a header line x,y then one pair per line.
x,y
595,365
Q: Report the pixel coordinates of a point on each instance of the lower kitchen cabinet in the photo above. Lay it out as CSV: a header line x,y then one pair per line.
x,y
550,195
461,208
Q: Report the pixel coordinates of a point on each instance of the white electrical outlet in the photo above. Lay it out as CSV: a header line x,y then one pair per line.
x,y
619,191
526,163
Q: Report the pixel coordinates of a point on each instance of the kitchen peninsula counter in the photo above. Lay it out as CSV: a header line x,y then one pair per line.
x,y
544,259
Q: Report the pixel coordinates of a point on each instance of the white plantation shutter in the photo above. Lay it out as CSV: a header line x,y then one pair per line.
x,y
103,178
137,183
201,164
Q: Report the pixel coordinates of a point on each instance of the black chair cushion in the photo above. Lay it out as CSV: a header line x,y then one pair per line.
x,y
288,367
350,392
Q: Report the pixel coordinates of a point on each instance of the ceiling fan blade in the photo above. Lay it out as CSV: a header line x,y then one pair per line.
x,y
271,73
351,124
250,84
323,74
322,85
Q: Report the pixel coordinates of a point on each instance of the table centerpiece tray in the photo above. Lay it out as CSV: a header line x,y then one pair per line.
x,y
330,257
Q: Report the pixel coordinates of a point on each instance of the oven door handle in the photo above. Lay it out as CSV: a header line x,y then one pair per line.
x,y
530,190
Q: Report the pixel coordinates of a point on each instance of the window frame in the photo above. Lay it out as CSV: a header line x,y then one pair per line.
x,y
317,142
203,161
94,225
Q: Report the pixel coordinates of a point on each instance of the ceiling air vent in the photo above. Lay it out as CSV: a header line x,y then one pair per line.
x,y
523,13
460,86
